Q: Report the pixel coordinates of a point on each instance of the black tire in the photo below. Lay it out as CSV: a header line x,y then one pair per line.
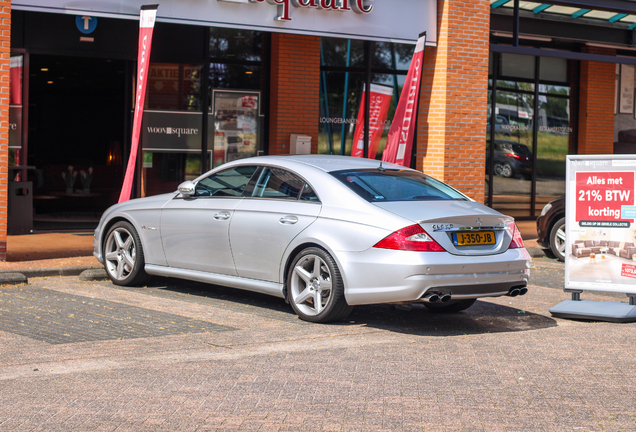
x,y
314,278
557,239
124,256
451,306
506,170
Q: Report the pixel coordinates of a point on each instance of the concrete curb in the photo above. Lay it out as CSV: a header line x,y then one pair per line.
x,y
44,272
13,278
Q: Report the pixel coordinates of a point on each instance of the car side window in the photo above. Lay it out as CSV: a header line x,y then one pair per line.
x,y
227,183
308,194
278,183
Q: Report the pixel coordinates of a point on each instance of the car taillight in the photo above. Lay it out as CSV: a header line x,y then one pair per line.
x,y
411,238
512,155
517,241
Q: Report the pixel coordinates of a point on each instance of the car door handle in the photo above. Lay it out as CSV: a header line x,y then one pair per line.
x,y
222,216
288,220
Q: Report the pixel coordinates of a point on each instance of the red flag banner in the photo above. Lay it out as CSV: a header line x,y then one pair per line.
x,y
399,143
146,25
378,109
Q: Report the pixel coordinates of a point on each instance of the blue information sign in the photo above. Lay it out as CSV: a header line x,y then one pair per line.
x,y
86,24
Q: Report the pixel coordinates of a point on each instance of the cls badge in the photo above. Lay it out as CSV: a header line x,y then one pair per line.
x,y
149,228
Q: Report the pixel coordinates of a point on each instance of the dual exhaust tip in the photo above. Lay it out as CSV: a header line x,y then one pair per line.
x,y
515,291
436,297
443,298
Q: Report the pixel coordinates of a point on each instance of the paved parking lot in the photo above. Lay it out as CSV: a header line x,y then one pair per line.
x,y
182,356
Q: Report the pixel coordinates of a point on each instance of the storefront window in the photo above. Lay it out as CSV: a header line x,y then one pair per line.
x,y
237,81
342,85
171,130
532,127
246,45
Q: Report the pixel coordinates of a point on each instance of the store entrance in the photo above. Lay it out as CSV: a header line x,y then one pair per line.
x,y
76,129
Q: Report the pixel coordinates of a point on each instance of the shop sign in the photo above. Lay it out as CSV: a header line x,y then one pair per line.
x,y
600,230
171,130
284,6
379,20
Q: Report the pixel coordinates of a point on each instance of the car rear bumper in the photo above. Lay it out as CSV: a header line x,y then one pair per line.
x,y
387,276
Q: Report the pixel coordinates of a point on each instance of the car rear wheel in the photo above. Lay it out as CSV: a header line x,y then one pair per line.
x,y
452,306
557,239
315,288
504,170
124,256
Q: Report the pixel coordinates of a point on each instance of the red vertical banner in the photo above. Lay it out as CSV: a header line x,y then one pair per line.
x,y
399,143
146,25
379,107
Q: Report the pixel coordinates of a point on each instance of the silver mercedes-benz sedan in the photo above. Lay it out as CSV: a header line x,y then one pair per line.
x,y
325,233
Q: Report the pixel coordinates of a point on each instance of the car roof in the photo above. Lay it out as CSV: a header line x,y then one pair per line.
x,y
326,163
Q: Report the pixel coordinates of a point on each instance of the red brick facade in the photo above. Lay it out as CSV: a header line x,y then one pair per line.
x,y
596,105
451,138
294,90
5,53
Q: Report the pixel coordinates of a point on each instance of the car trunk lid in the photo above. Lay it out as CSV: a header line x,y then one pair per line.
x,y
460,227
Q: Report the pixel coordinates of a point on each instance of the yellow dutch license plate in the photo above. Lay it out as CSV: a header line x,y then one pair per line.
x,y
474,238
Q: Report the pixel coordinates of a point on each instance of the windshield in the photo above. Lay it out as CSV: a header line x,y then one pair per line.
x,y
396,185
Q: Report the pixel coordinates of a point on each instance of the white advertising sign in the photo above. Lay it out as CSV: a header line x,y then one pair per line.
x,y
381,20
600,223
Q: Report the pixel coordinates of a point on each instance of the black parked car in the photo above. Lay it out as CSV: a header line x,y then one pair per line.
x,y
511,159
551,227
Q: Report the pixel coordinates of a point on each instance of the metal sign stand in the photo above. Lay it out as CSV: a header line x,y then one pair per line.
x,y
595,310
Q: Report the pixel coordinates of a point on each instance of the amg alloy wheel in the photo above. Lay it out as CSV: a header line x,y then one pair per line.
x,y
315,288
123,255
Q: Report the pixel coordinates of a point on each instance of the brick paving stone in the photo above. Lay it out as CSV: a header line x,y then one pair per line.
x,y
388,370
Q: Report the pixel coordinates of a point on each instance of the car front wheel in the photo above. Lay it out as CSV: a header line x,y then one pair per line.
x,y
315,288
124,256
557,239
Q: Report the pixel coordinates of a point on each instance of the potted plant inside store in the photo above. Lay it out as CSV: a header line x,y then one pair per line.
x,y
69,178
86,177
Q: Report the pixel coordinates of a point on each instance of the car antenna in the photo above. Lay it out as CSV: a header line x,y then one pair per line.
x,y
380,168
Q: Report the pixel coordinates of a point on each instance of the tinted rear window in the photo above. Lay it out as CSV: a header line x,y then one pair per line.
x,y
396,185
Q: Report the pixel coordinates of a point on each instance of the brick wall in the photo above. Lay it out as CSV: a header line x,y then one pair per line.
x,y
451,137
294,90
596,105
5,53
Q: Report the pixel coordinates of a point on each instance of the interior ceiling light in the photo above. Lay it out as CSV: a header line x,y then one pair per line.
x,y
49,82
522,36
44,69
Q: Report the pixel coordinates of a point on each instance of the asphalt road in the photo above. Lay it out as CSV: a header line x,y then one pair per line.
x,y
90,356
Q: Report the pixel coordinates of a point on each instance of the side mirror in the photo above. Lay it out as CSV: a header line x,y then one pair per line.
x,y
186,188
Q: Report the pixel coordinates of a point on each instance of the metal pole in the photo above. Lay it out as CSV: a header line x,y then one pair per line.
x,y
205,102
493,123
515,24
326,99
344,103
367,99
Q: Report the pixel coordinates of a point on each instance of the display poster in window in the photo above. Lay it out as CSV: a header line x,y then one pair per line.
x,y
600,215
236,125
15,103
627,89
